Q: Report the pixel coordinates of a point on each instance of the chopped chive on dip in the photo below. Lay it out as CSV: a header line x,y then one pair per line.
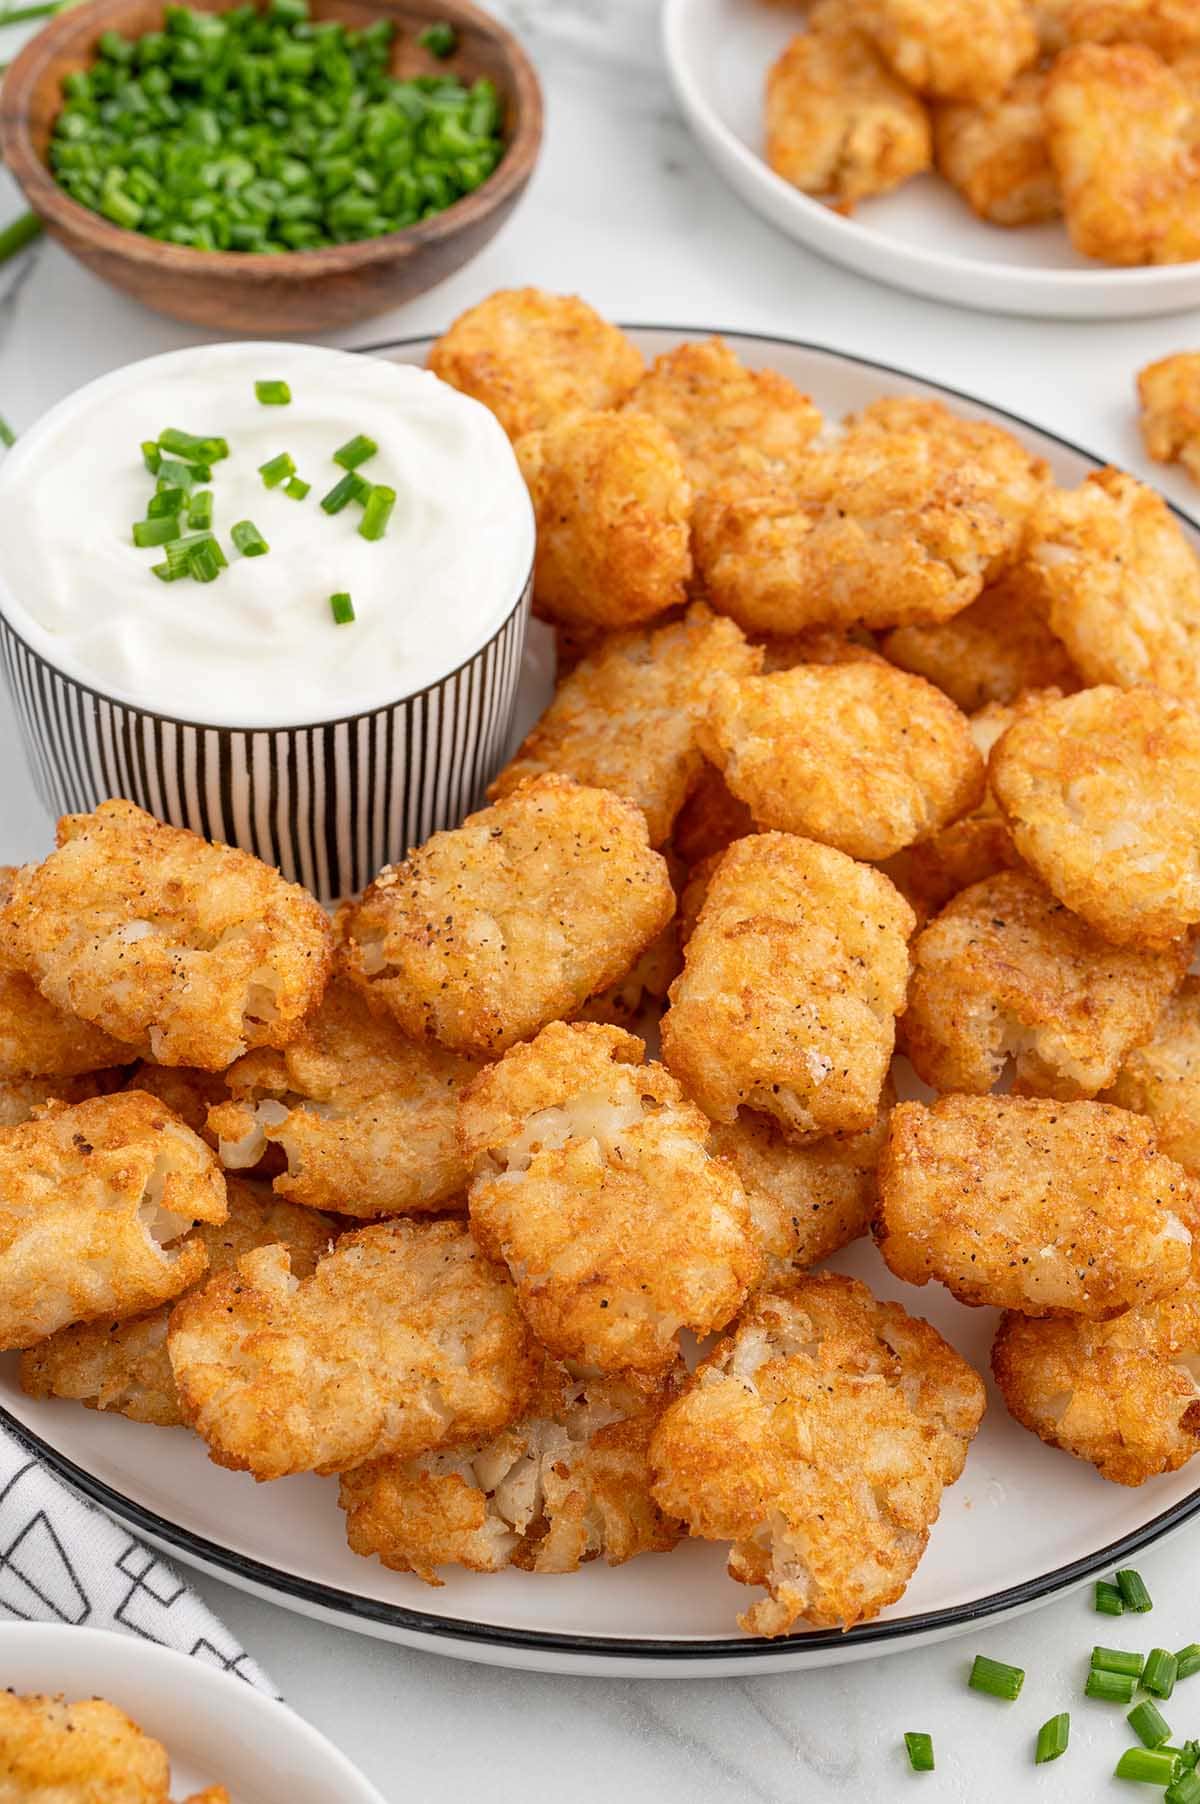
x,y
297,489
273,394
248,540
377,511
269,132
355,451
350,487
277,470
342,608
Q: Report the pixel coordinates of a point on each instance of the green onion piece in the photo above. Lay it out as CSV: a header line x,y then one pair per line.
x,y
377,512
1189,1754
19,15
151,456
195,450
919,1748
273,394
342,608
997,1679
168,572
1185,1789
156,532
1053,1737
1115,1659
276,470
1110,1687
7,435
349,488
1152,1766
1133,1591
185,476
1187,1661
21,232
1109,1601
248,539
167,500
200,511
203,562
1158,1674
1149,1724
355,451
297,489
440,39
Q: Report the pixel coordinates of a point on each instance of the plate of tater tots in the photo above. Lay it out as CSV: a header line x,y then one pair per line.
x,y
732,1201
1027,156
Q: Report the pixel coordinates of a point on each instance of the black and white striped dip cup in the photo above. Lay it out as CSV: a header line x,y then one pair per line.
x,y
327,800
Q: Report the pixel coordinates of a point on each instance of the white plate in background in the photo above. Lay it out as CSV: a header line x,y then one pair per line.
x,y
923,236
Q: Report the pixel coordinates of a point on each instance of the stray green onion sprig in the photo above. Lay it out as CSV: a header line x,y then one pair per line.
x,y
1187,1661
1133,1591
1158,1674
1109,1687
273,394
919,1748
1108,1599
1117,1659
1150,1766
248,540
995,1678
342,608
1052,1739
16,236
1184,1788
1149,1724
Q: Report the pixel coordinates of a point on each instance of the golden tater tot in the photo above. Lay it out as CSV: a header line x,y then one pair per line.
x,y
189,951
859,756
725,420
838,123
818,645
627,717
644,986
532,357
366,1118
123,1366
567,1484
806,1202
53,1752
950,51
996,153
1121,1394
513,919
1006,973
1101,793
1161,1078
818,1438
21,1098
1049,1208
791,984
711,819
93,1200
1142,206
594,1184
404,1339
612,505
1172,27
38,1040
1169,391
993,651
188,1093
1119,583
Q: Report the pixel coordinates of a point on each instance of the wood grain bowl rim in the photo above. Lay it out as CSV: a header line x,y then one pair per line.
x,y
80,27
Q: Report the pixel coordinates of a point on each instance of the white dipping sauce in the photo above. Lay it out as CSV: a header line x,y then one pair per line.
x,y
259,646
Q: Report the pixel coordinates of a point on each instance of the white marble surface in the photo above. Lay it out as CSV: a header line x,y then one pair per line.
x,y
623,210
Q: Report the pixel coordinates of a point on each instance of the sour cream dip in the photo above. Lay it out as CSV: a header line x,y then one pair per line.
x,y
259,646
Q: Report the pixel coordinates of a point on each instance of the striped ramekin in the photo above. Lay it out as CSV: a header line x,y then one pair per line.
x,y
328,803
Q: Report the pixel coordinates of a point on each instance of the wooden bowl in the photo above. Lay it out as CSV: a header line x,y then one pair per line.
x,y
301,291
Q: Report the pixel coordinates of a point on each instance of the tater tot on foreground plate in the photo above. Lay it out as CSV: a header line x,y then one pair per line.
x,y
949,51
404,1339
594,1183
1161,1077
1050,1208
1101,793
36,1038
487,932
568,1483
83,1753
817,1437
993,651
791,984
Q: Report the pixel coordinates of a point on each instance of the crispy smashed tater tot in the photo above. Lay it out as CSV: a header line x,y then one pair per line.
x,y
53,1752
806,1202
627,718
995,152
711,819
1121,1394
94,1200
366,1118
1172,27
188,1093
791,984
725,420
1144,205
1169,391
644,986
818,1438
567,1484
404,1339
593,1182
192,952
513,919
993,651
1006,973
906,518
532,357
1050,1208
612,505
1119,583
38,1040
819,645
1161,1078
1101,793
859,756
838,123
949,51
21,1098
123,1366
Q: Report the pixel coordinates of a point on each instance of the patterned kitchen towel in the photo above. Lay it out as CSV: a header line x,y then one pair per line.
x,y
63,1560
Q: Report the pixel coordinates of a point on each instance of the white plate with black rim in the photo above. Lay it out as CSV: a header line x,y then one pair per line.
x,y
1024,1523
922,236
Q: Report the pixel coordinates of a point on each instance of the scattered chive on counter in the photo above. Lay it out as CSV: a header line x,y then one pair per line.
x,y
995,1678
1052,1739
1187,1661
1158,1674
1149,1724
1115,1659
919,1748
1109,1687
7,435
1134,1594
1184,1789
1150,1766
1108,1600
266,132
